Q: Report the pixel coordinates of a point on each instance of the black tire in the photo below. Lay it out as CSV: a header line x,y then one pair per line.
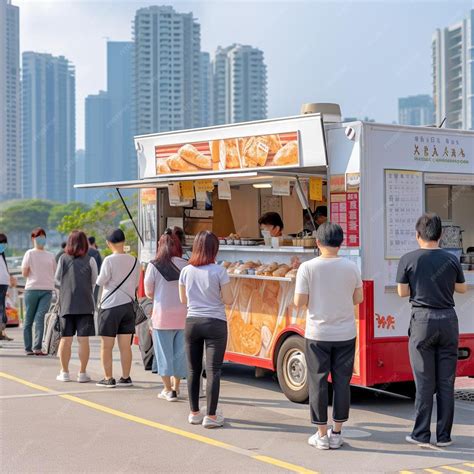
x,y
292,369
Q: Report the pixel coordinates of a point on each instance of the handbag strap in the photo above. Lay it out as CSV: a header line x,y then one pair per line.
x,y
121,283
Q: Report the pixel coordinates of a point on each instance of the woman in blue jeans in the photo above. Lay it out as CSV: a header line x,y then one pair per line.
x,y
39,267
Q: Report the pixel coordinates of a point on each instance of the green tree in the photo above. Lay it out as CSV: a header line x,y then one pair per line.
x,y
59,211
23,216
100,219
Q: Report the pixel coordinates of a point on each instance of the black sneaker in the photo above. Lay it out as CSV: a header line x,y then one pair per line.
x,y
125,382
107,383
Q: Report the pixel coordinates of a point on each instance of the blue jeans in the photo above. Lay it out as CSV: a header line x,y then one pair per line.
x,y
169,352
37,304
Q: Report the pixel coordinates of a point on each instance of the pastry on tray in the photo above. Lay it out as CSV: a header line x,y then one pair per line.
x,y
281,271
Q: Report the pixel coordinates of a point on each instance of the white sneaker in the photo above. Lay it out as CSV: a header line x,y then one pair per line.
x,y
444,444
209,422
335,440
83,377
195,419
318,442
63,377
169,396
411,440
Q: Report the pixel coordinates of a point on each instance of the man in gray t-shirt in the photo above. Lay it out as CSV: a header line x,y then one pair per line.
x,y
329,286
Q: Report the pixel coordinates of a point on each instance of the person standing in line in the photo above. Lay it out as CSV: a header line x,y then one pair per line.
x,y
39,267
61,252
205,288
430,276
118,277
6,280
76,276
94,252
169,314
330,286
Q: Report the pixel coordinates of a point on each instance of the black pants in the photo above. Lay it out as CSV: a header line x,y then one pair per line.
x,y
322,358
433,346
212,333
3,309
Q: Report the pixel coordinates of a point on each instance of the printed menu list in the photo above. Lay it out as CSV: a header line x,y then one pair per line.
x,y
345,212
403,207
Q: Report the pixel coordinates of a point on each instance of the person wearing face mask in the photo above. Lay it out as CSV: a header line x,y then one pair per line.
x,y
38,267
6,280
271,224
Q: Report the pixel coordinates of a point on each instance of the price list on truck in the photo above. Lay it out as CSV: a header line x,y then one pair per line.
x,y
403,206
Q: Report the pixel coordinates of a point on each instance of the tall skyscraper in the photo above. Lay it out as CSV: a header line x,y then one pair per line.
x,y
453,73
206,94
239,84
48,127
167,61
415,110
119,129
10,157
98,158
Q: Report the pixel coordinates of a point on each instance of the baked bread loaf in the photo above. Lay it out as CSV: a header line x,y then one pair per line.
x,y
176,163
255,152
281,271
192,155
162,167
229,156
288,155
292,273
273,142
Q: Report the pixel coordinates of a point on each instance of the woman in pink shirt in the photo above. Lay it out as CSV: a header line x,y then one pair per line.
x,y
169,314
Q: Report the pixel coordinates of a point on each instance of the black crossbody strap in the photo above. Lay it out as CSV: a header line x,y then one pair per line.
x,y
121,283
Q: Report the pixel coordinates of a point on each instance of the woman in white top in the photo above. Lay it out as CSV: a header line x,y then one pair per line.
x,y
205,287
39,267
6,280
169,314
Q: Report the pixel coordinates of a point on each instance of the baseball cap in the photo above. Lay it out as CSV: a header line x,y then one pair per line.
x,y
116,236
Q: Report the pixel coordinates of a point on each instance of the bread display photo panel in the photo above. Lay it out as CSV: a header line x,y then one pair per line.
x,y
239,153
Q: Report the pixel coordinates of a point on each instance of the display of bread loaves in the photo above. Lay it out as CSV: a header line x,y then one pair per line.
x,y
270,270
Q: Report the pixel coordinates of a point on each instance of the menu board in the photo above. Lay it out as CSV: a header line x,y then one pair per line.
x,y
234,154
403,207
345,212
148,224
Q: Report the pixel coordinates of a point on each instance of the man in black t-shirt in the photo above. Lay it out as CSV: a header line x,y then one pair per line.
x,y
430,276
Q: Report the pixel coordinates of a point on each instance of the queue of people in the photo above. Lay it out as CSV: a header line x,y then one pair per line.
x,y
189,318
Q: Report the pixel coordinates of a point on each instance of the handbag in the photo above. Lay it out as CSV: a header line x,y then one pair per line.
x,y
52,330
168,272
140,315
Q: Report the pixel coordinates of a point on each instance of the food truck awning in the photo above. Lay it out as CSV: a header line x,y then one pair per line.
x,y
237,178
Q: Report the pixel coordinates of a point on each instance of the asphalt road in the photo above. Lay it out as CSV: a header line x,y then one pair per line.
x,y
49,426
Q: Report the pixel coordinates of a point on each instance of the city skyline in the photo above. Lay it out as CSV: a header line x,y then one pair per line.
x,y
324,70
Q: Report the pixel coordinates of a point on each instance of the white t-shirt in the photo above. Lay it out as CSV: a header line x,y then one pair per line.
x,y
114,269
42,265
330,284
203,290
4,275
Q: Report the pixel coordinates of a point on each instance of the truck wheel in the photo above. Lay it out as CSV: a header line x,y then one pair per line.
x,y
292,370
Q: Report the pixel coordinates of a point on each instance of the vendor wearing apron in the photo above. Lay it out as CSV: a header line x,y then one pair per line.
x,y
430,276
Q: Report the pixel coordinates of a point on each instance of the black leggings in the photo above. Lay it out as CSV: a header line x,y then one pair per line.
x,y
213,333
3,311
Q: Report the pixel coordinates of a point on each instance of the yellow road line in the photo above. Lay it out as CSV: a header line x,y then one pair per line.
x,y
469,464
166,428
406,472
455,469
432,471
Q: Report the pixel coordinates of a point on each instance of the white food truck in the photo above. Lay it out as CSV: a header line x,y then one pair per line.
x,y
375,181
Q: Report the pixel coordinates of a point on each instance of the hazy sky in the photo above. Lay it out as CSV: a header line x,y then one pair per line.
x,y
362,55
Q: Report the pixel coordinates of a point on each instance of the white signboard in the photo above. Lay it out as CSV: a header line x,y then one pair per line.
x,y
280,186
403,207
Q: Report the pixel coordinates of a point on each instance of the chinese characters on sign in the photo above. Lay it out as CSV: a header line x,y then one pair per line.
x,y
148,224
403,206
345,212
439,149
385,322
